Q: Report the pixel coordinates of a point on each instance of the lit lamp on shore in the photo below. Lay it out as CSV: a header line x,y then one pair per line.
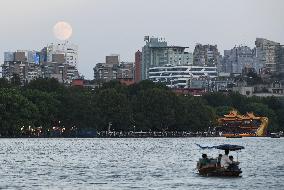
x,y
109,126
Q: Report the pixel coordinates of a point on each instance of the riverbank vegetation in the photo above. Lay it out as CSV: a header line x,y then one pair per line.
x,y
146,106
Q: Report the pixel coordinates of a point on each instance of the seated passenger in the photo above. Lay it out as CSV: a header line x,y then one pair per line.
x,y
225,161
219,160
234,162
233,165
204,161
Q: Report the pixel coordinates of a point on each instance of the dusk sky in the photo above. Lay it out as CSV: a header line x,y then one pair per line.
x,y
103,27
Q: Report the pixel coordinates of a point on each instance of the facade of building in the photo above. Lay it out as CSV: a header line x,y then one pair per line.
x,y
206,55
222,84
105,72
123,71
34,72
9,56
280,68
138,66
157,53
22,63
58,58
274,89
182,76
10,68
112,59
238,59
43,55
64,73
267,55
69,50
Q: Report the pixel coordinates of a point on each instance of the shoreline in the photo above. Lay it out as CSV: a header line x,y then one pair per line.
x,y
131,137
132,134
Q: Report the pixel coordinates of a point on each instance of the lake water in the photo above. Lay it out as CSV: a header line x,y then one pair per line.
x,y
134,164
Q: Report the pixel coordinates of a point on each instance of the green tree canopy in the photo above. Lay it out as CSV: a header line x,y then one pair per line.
x,y
262,110
114,108
45,85
15,111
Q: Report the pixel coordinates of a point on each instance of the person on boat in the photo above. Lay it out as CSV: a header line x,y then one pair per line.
x,y
219,160
204,161
225,161
234,165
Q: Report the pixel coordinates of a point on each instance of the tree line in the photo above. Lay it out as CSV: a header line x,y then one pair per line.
x,y
145,106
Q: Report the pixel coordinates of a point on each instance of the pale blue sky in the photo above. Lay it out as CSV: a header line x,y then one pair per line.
x,y
102,27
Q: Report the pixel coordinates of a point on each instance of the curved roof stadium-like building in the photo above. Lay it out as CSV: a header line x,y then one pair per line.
x,y
180,76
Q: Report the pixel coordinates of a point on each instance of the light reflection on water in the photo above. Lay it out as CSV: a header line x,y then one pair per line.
x,y
134,164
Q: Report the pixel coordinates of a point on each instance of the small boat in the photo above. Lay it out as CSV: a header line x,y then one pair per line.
x,y
275,135
247,135
234,136
213,168
219,172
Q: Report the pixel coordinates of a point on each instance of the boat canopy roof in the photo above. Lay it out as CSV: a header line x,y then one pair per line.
x,y
223,147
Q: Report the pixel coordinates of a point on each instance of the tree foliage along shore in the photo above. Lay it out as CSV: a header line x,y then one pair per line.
x,y
147,106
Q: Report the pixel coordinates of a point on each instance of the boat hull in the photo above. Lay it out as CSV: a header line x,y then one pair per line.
x,y
216,172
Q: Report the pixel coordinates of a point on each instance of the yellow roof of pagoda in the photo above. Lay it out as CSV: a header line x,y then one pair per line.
x,y
234,115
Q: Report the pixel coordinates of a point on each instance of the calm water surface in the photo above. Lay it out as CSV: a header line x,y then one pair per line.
x,y
134,164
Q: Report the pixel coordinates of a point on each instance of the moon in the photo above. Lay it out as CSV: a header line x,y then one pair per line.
x,y
62,30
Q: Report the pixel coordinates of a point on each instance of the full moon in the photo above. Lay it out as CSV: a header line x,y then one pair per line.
x,y
62,30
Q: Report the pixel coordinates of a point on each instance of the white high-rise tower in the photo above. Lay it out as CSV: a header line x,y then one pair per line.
x,y
69,50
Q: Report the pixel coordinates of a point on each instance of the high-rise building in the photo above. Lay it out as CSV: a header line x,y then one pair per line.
x,y
138,66
157,53
267,55
69,50
238,59
64,53
206,55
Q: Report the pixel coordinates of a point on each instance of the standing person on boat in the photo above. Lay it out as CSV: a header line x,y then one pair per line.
x,y
225,161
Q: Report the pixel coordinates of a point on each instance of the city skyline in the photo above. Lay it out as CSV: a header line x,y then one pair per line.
x,y
105,27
